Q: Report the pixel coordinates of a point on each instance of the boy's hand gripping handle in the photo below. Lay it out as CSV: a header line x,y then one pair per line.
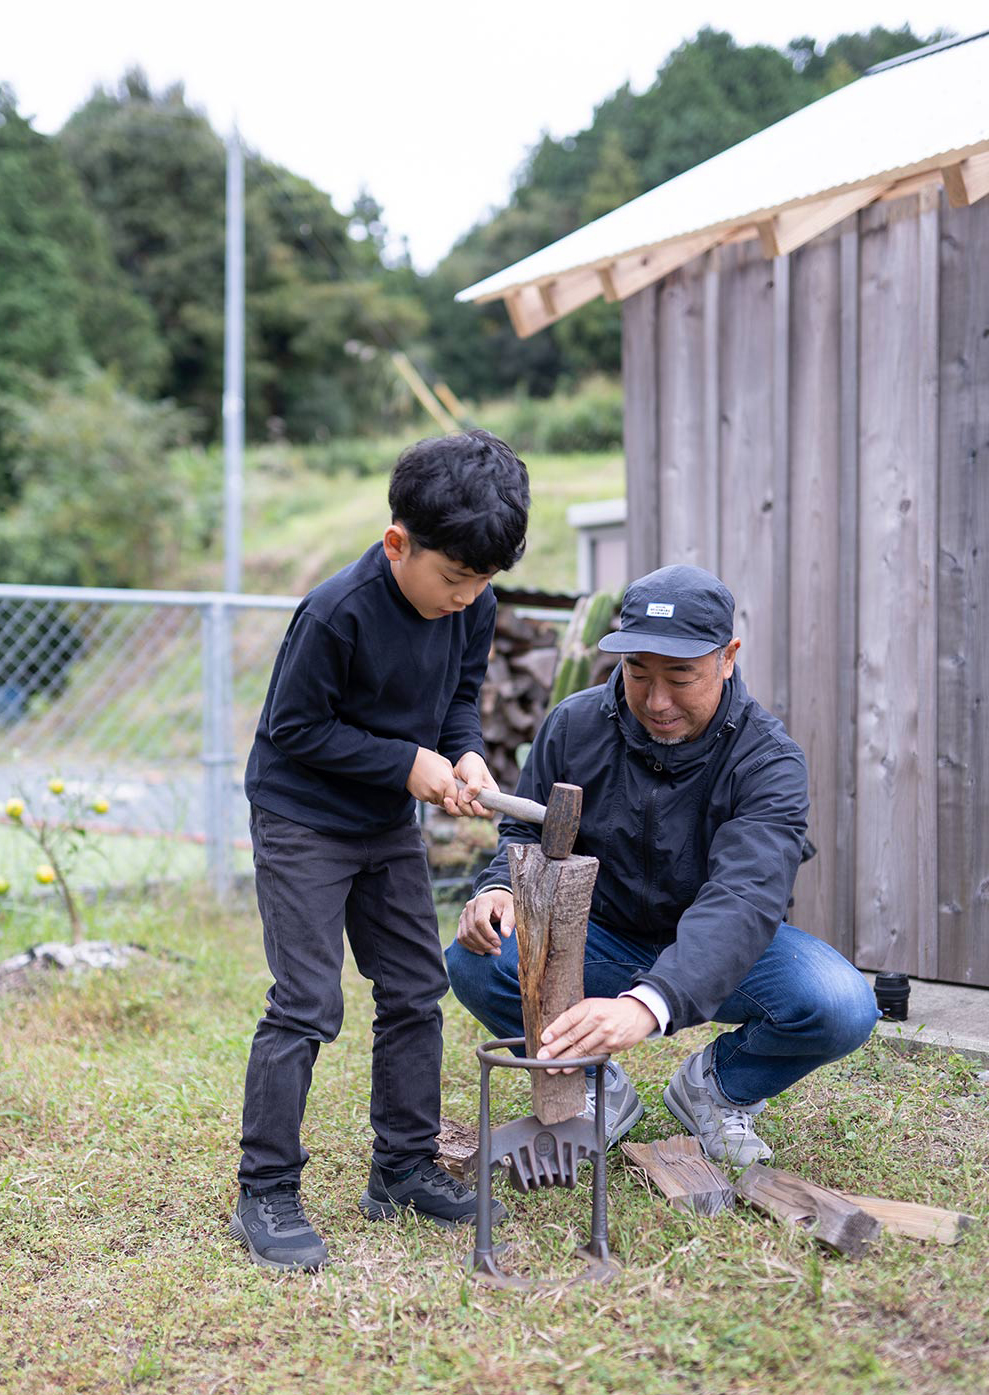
x,y
499,803
560,818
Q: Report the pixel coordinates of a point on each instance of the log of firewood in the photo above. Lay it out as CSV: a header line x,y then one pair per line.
x,y
496,728
457,1144
911,1218
552,903
828,1216
517,718
514,630
519,669
540,664
525,689
678,1167
498,673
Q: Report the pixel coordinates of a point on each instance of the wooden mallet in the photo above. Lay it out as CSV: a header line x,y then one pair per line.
x,y
559,816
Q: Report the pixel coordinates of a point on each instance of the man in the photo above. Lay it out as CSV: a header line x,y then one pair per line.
x,y
695,802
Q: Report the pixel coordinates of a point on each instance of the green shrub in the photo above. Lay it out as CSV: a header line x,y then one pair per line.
x,y
97,502
365,455
588,418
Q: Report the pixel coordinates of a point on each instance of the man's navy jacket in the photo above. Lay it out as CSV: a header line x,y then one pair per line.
x,y
699,843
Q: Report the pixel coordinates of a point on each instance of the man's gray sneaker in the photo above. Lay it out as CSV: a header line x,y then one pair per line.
x,y
725,1131
427,1189
622,1107
273,1228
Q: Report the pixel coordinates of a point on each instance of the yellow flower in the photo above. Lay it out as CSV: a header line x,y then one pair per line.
x,y
15,808
44,874
4,886
56,785
100,805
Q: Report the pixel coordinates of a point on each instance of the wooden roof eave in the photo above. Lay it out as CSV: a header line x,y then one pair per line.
x,y
536,304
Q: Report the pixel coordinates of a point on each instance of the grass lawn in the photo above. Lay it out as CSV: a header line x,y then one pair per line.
x,y
107,860
301,526
120,1100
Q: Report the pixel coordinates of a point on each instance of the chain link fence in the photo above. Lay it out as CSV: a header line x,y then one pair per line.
x,y
150,697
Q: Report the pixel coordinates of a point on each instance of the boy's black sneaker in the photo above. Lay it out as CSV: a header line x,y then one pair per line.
x,y
428,1190
273,1228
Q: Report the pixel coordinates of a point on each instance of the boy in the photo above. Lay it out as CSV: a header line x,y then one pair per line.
x,y
373,704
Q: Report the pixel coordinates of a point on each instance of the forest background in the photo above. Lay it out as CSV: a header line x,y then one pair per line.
x,y
111,301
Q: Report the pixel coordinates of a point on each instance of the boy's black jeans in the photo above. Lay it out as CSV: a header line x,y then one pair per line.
x,y
308,885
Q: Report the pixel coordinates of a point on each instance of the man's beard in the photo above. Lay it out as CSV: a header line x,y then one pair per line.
x,y
669,740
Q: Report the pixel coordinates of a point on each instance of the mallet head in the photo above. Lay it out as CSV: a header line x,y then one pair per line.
x,y
562,821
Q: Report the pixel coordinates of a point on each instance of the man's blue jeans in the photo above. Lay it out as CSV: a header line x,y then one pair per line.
x,y
800,1006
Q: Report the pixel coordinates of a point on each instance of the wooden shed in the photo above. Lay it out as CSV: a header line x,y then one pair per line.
x,y
806,367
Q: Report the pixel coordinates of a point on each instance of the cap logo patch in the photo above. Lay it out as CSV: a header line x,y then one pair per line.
x,y
660,608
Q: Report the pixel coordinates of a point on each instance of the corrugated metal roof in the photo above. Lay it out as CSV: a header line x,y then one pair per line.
x,y
895,123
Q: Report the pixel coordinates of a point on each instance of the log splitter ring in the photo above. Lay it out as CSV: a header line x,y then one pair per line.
x,y
540,1155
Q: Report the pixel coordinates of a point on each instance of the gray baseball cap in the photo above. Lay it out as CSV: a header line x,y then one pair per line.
x,y
679,611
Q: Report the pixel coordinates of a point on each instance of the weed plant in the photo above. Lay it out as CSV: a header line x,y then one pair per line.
x,y
120,1102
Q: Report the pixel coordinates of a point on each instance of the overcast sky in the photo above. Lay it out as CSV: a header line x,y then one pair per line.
x,y
431,106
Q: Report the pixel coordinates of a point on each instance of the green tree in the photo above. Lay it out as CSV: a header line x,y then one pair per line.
x,y
63,299
614,180
154,169
324,311
849,55
39,294
97,505
314,275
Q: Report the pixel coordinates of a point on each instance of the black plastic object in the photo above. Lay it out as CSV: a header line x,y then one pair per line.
x,y
892,995
539,1155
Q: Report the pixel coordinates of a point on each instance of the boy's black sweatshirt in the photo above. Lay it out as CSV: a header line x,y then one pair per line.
x,y
360,682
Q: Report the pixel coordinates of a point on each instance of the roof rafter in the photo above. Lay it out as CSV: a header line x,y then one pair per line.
x,y
629,274
786,231
967,181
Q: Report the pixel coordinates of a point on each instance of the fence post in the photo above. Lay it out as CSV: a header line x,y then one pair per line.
x,y
217,756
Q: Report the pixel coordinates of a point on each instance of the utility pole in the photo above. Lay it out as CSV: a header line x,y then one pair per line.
x,y
233,369
218,618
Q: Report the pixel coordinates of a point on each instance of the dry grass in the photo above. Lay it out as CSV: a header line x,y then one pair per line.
x,y
120,1098
295,513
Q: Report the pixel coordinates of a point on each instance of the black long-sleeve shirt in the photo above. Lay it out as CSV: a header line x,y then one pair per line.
x,y
361,681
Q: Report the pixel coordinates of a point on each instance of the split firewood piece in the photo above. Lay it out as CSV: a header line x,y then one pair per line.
x,y
913,1219
457,1145
552,903
458,1150
828,1216
686,1178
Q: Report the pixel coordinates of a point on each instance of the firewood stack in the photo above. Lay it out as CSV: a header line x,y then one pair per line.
x,y
516,690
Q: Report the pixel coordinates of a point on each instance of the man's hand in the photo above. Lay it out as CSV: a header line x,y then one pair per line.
x,y
431,779
476,931
476,776
595,1025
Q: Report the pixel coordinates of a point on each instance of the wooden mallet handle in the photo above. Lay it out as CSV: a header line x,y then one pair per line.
x,y
560,818
499,803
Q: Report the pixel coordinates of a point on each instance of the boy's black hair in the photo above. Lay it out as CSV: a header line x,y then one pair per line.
x,y
466,496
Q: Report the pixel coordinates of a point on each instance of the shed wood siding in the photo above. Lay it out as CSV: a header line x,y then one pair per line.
x,y
963,598
815,428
